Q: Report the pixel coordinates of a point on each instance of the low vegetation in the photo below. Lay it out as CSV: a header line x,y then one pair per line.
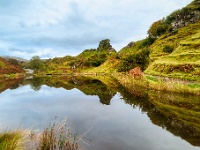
x,y
160,84
11,140
9,67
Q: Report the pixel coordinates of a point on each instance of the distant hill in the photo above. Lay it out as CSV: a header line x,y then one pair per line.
x,y
16,58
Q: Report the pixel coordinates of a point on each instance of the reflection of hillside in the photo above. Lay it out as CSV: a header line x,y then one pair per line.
x,y
9,84
91,86
177,114
180,115
87,85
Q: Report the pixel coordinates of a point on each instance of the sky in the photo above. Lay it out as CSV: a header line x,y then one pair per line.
x,y
56,28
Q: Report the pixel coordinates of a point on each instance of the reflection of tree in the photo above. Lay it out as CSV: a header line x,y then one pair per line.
x,y
177,114
87,85
90,86
36,83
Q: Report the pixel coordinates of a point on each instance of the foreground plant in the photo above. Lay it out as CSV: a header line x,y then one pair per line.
x,y
56,137
11,140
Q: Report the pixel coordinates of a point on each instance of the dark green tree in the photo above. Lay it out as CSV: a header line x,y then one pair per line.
x,y
140,58
104,45
157,29
36,63
13,61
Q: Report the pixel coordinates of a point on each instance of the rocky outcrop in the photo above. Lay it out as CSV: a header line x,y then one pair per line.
x,y
184,18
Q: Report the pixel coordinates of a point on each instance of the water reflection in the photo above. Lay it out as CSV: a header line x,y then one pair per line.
x,y
87,85
178,114
9,84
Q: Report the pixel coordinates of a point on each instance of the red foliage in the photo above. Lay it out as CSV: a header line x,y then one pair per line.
x,y
136,72
10,68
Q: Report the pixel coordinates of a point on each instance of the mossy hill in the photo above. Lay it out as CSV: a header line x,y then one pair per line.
x,y
9,67
177,54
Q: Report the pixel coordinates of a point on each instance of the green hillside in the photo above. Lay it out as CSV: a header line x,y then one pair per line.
x,y
177,54
174,44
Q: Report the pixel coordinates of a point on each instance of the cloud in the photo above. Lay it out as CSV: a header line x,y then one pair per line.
x,y
68,27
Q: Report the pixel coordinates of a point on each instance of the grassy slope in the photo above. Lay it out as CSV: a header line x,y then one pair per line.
x,y
184,61
112,63
7,68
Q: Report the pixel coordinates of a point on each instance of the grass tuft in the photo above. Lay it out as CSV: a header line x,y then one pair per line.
x,y
11,140
55,137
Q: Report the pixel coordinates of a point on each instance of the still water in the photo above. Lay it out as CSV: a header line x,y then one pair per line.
x,y
104,113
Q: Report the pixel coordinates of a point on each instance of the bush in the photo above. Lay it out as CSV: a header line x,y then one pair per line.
x,y
96,60
140,58
168,49
157,29
146,42
104,45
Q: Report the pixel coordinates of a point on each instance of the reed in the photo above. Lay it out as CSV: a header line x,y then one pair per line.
x,y
152,83
55,137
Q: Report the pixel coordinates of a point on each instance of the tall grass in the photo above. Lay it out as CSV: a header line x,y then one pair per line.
x,y
55,137
152,83
11,140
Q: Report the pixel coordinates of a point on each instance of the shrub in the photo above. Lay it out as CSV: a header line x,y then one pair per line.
x,y
157,29
168,49
146,42
140,58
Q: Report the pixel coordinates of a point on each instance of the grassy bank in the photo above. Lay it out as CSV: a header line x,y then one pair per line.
x,y
159,84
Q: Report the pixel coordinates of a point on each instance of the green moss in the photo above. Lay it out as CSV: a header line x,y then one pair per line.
x,y
152,78
194,85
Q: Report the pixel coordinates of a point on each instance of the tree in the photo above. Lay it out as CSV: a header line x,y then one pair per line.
x,y
13,61
157,29
104,45
36,64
